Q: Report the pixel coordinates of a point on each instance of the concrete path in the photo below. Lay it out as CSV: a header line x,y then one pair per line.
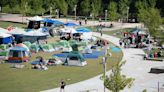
x,y
135,67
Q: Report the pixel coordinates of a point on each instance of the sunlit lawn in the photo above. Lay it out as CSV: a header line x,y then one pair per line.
x,y
30,80
7,24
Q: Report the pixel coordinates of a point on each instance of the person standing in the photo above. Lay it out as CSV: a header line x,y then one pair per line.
x,y
63,84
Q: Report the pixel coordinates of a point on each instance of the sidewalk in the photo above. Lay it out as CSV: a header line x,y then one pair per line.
x,y
135,67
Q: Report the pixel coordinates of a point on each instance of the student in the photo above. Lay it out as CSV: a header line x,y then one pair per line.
x,y
63,84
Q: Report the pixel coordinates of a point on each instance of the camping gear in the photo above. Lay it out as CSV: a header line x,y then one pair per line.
x,y
75,58
70,24
33,36
34,47
18,54
47,48
86,33
5,38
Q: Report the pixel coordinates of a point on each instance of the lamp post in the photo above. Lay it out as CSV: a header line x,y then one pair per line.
x,y
106,11
57,13
104,59
50,11
127,13
75,7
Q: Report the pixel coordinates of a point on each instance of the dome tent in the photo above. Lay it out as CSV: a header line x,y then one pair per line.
x,y
18,54
75,58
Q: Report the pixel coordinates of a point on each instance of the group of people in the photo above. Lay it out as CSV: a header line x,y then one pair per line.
x,y
41,65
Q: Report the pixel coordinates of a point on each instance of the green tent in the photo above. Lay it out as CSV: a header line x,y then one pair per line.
x,y
75,58
47,48
35,47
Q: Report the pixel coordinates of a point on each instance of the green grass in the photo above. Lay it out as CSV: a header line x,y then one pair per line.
x,y
117,33
7,24
31,80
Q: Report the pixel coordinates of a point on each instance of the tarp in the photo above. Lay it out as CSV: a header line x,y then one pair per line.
x,y
82,30
35,18
69,24
56,22
68,30
139,31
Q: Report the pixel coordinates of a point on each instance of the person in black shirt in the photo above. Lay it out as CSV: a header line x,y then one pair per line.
x,y
63,84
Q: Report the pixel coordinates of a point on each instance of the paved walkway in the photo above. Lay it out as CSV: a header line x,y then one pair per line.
x,y
135,67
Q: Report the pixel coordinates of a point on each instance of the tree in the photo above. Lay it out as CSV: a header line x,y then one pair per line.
x,y
71,5
149,15
123,5
112,7
96,7
116,81
85,6
151,19
63,6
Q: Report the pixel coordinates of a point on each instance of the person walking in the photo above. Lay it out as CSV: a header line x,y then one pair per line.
x,y
63,84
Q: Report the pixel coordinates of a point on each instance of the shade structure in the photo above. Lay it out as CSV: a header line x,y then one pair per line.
x,y
56,22
70,24
35,18
17,31
3,30
82,30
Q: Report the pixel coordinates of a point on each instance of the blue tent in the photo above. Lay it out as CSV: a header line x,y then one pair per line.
x,y
70,24
56,22
5,38
82,30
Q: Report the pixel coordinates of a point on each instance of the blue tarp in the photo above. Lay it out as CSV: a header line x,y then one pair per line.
x,y
93,55
115,49
6,40
82,30
70,24
56,22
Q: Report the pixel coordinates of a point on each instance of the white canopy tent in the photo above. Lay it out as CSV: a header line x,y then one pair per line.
x,y
35,18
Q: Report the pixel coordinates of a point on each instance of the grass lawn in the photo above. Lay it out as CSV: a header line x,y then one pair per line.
x,y
4,24
31,80
117,33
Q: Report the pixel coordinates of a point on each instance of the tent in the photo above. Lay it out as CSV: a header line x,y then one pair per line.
x,y
18,54
3,30
55,22
5,38
74,58
86,33
139,31
17,31
70,24
33,36
35,18
34,22
47,48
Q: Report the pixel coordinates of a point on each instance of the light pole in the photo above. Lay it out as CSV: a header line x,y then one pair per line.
x,y
127,13
50,11
106,11
104,59
75,7
57,13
